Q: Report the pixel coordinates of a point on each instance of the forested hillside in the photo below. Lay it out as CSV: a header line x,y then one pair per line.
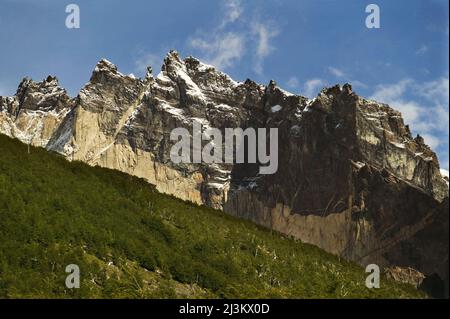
x,y
132,242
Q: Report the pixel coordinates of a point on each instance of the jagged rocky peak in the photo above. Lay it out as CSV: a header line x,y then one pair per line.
x,y
333,98
45,95
105,71
105,66
35,111
198,80
202,73
279,100
110,90
376,135
172,62
385,141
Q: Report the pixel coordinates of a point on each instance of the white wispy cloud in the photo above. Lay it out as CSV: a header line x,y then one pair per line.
x,y
222,47
423,117
437,93
233,37
221,50
293,82
425,106
431,140
312,87
437,90
233,11
422,50
345,76
356,83
263,32
336,72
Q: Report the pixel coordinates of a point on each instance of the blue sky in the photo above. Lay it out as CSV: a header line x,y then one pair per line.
x,y
302,44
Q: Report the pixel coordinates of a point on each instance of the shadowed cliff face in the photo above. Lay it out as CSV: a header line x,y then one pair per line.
x,y
351,179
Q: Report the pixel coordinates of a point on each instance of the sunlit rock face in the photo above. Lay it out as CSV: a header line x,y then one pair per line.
x,y
351,178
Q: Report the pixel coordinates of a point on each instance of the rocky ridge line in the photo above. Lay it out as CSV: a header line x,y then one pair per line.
x,y
351,179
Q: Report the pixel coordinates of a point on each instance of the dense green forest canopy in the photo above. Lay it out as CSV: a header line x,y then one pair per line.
x,y
130,241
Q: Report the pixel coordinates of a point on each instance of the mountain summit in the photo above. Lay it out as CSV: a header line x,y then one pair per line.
x,y
351,178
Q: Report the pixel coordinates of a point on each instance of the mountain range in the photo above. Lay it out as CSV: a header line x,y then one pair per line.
x,y
351,178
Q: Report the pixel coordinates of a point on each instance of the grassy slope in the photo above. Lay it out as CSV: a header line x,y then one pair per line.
x,y
54,213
